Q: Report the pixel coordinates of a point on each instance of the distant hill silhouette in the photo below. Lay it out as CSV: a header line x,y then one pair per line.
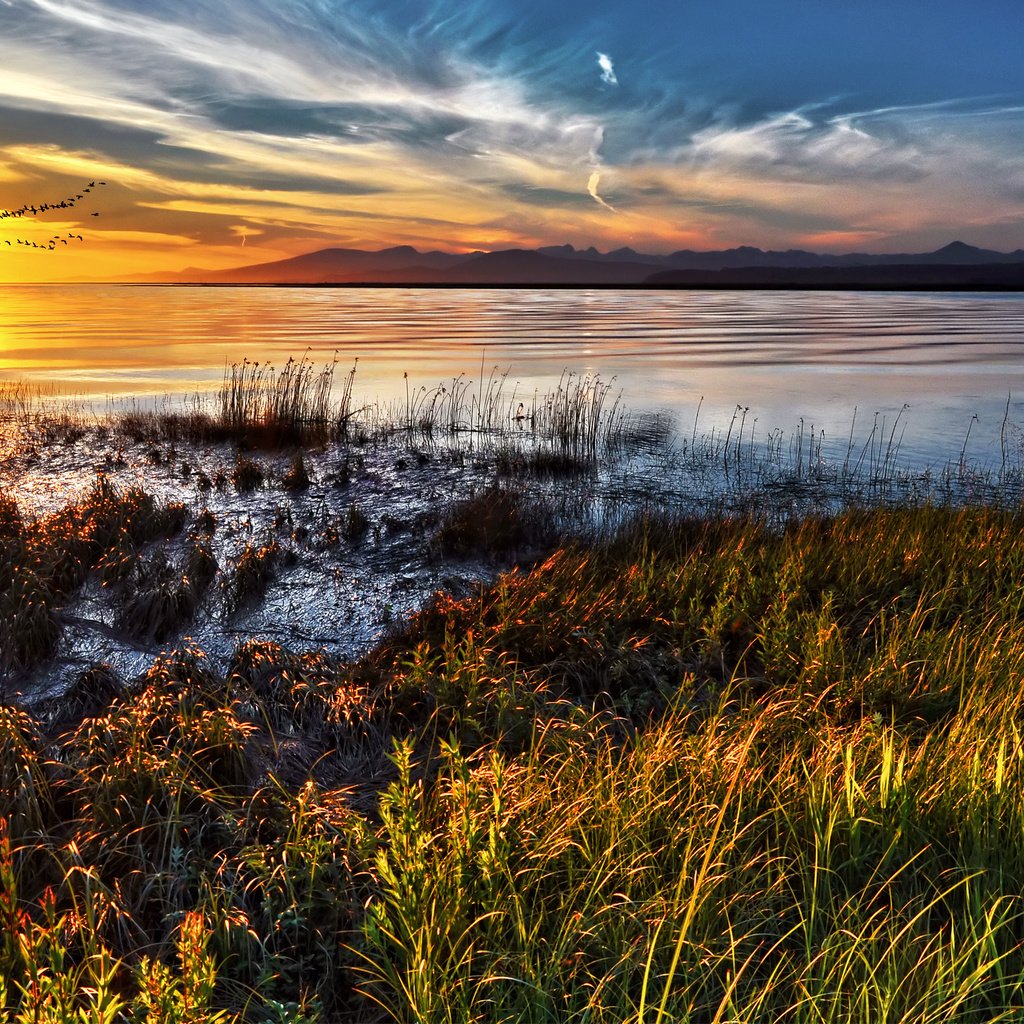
x,y
333,266
527,266
896,277
953,266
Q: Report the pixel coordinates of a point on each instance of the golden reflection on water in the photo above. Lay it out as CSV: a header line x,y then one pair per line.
x,y
785,356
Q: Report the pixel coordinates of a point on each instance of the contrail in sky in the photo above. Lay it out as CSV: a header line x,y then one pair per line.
x,y
592,183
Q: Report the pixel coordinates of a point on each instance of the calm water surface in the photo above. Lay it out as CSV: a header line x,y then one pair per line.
x,y
831,359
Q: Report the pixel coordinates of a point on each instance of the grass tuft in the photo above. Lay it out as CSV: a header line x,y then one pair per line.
x,y
251,574
247,475
296,478
496,523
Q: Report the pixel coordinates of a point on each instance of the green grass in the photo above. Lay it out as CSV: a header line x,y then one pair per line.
x,y
705,771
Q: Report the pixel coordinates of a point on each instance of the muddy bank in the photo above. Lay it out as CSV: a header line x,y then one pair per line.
x,y
323,549
328,545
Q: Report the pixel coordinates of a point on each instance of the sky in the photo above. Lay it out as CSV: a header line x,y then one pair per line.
x,y
232,132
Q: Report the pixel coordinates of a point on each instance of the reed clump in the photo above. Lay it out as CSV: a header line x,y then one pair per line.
x,y
296,405
561,430
256,406
576,416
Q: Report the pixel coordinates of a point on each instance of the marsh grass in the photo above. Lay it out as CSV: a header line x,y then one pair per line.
x,y
157,608
355,524
580,427
757,765
296,478
291,406
498,522
44,561
162,597
704,771
251,574
256,406
796,831
247,475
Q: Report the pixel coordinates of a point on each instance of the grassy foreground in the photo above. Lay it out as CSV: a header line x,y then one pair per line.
x,y
704,772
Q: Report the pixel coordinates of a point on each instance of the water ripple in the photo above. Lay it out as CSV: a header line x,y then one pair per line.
x,y
787,355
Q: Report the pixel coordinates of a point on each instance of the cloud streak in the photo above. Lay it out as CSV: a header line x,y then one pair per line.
x,y
592,185
411,121
604,62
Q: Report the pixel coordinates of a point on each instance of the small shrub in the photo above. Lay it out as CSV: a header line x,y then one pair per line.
x,y
247,475
297,476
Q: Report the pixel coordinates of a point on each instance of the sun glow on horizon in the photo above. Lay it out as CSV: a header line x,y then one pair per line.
x,y
234,134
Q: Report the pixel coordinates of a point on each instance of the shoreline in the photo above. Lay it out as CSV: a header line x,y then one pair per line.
x,y
752,727
966,288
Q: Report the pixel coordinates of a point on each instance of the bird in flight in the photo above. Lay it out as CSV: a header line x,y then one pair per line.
x,y
36,209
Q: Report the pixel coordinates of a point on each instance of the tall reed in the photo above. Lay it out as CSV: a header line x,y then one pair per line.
x,y
296,404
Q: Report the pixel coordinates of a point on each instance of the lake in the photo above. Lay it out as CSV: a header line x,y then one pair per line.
x,y
834,360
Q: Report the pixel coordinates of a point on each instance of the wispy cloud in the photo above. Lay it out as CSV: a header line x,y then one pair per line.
x,y
192,85
795,145
604,62
592,185
278,121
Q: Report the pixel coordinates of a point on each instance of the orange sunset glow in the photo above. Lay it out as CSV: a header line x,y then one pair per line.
x,y
243,135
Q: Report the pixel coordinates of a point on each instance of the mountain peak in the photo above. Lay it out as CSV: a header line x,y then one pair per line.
x,y
564,264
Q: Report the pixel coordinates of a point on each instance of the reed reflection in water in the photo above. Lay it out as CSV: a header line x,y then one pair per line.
x,y
785,357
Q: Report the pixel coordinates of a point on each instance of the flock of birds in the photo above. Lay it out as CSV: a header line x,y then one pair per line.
x,y
35,209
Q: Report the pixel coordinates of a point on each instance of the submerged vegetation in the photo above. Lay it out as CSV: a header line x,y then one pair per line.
x,y
741,743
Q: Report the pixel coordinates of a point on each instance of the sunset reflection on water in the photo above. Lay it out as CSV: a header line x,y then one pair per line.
x,y
784,356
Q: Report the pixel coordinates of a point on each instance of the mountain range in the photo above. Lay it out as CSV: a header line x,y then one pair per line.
x,y
953,266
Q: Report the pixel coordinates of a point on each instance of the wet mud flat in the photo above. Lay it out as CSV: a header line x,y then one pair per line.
x,y
199,534
326,549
